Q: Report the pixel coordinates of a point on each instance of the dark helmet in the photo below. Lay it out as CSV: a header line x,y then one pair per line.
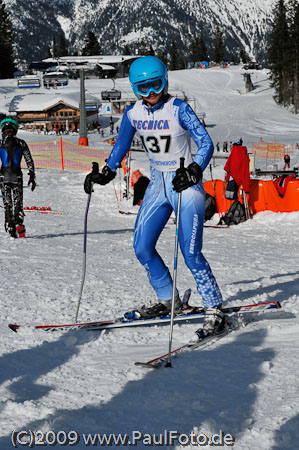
x,y
238,143
9,123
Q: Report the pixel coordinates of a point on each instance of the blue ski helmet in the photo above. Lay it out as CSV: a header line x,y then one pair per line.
x,y
9,123
148,74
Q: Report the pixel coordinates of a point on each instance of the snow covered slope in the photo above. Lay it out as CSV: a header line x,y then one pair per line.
x,y
245,385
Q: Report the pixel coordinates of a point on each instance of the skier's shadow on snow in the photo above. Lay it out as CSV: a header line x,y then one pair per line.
x,y
286,437
286,288
80,233
27,365
206,391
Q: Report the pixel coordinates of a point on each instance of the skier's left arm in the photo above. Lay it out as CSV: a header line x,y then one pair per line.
x,y
30,165
28,157
191,175
190,122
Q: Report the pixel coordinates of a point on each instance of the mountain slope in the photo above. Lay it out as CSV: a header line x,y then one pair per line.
x,y
159,22
35,25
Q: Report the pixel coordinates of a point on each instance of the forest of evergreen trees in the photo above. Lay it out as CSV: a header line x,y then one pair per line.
x,y
7,66
283,51
283,54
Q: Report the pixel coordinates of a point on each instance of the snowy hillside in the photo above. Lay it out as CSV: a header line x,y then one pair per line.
x,y
116,23
244,385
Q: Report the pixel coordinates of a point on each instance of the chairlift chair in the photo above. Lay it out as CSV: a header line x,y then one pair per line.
x,y
111,94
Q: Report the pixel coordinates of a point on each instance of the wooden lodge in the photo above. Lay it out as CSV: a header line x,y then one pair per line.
x,y
52,112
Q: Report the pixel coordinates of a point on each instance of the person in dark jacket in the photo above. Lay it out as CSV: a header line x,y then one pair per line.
x,y
12,149
287,161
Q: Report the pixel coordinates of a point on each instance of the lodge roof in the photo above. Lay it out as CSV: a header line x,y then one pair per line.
x,y
42,101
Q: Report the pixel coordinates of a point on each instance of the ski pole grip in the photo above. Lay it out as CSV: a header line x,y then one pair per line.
x,y
182,161
95,167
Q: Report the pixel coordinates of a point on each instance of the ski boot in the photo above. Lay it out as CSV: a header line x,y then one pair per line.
x,y
160,308
21,230
10,228
214,322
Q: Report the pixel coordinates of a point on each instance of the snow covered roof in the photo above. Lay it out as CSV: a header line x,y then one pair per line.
x,y
98,59
42,101
63,66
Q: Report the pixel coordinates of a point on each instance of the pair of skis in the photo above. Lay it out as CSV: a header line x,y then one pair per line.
x,y
189,314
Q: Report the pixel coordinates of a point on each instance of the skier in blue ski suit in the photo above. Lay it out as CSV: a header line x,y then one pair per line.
x,y
165,125
12,150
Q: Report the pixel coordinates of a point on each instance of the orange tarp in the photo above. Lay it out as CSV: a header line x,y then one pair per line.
x,y
263,196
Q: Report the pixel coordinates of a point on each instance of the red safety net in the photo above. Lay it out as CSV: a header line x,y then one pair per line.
x,y
64,155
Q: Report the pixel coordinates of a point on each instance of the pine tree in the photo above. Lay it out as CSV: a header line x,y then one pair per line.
x,y
244,58
203,52
293,60
151,51
53,49
195,52
7,66
218,51
127,50
163,58
278,54
91,45
142,50
174,56
62,48
199,50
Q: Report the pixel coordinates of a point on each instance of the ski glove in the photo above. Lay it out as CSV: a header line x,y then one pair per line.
x,y
32,180
186,177
102,178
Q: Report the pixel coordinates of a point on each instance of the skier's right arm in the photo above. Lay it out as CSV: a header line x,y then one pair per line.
x,y
123,144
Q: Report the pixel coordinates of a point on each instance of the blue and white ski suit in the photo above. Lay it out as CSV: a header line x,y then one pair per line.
x,y
165,130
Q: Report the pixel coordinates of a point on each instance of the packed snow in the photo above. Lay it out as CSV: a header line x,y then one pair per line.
x,y
78,384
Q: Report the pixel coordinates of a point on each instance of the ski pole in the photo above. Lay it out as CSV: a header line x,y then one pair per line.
x,y
214,187
247,212
95,170
176,246
128,168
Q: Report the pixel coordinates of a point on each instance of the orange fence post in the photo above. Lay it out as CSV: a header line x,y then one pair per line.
x,y
61,151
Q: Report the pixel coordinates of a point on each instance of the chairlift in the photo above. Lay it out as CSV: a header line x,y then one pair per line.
x,y
54,79
111,94
29,81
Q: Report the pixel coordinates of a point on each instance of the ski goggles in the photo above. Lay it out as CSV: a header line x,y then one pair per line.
x,y
144,89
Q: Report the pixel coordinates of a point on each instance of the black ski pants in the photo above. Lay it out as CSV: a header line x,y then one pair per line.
x,y
12,195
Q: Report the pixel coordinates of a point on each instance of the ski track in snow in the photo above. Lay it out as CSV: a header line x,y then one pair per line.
x,y
246,384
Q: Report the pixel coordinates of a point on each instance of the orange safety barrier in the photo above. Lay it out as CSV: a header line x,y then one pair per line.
x,y
64,155
263,196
